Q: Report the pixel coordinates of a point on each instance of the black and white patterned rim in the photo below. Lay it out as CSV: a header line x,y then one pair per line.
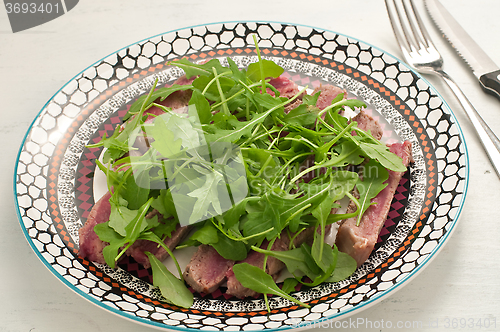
x,y
54,192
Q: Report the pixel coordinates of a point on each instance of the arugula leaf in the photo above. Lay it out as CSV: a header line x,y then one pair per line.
x,y
292,215
330,254
350,154
185,129
301,116
165,140
230,249
321,253
312,100
258,222
254,278
164,227
239,128
343,182
136,195
194,69
207,234
346,265
164,204
321,213
206,196
269,69
265,163
384,156
120,216
202,106
289,285
232,216
159,94
136,227
310,261
139,223
115,240
172,289
374,177
339,103
296,260
114,147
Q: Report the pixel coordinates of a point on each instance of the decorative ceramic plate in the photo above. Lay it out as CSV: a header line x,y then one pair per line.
x,y
55,190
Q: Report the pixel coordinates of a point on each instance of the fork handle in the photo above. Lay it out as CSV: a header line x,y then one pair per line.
x,y
490,141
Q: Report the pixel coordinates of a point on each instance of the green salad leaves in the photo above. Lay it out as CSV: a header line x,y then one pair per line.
x,y
234,165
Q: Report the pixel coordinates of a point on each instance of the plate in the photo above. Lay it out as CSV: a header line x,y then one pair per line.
x,y
54,187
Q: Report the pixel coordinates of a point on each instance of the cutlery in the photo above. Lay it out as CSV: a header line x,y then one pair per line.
x,y
487,72
421,54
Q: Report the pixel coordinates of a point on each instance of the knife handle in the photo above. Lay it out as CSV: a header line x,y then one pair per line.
x,y
491,83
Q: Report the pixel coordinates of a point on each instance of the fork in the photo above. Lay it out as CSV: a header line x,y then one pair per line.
x,y
421,54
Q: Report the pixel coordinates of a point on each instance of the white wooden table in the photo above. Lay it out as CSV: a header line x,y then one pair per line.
x,y
462,282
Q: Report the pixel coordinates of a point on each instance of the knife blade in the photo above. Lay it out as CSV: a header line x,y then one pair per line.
x,y
487,72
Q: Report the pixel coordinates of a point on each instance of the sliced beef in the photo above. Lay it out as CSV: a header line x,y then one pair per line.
x,y
207,270
359,241
288,89
138,249
90,245
368,123
327,94
177,101
273,267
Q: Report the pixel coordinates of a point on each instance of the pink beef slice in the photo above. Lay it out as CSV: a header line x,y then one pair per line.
x,y
273,265
288,89
359,241
177,101
327,94
207,270
90,245
138,249
368,123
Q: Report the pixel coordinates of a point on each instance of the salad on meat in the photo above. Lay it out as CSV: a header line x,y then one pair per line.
x,y
251,170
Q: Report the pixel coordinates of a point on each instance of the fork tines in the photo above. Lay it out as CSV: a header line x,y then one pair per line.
x,y
411,33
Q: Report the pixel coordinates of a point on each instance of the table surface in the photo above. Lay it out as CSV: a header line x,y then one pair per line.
x,y
460,283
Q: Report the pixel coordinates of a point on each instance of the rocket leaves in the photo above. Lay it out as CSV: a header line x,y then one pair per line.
x,y
242,171
374,177
267,67
386,158
256,279
172,288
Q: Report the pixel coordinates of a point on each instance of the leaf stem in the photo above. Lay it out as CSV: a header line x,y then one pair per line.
x,y
225,109
261,67
150,236
243,239
213,80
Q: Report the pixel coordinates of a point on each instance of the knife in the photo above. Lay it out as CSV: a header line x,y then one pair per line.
x,y
487,72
